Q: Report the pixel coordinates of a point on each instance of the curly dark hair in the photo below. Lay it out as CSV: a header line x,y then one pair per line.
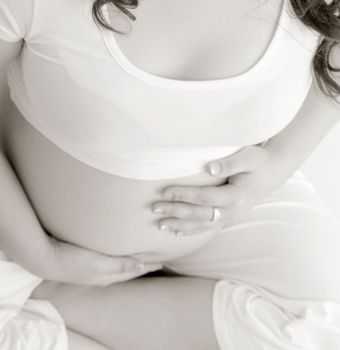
x,y
316,14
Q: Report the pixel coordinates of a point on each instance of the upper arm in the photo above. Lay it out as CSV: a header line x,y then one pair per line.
x,y
317,102
8,52
16,19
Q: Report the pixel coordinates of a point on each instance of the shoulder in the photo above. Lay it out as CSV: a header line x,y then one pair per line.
x,y
15,19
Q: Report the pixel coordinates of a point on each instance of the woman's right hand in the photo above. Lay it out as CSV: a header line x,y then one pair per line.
x,y
73,264
26,242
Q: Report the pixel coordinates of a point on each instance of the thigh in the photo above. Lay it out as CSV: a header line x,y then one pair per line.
x,y
77,341
288,244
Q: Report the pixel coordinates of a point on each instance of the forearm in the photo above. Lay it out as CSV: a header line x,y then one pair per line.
x,y
147,313
20,229
316,118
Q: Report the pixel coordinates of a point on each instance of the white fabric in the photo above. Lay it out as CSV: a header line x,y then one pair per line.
x,y
278,283
76,87
278,268
26,324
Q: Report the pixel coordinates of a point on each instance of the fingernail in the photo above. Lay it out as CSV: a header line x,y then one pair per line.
x,y
168,195
154,266
214,168
163,227
158,211
139,267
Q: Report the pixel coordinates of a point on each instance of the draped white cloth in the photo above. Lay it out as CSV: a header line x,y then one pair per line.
x,y
278,271
26,324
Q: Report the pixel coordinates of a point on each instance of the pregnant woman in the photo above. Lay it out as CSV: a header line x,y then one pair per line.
x,y
170,143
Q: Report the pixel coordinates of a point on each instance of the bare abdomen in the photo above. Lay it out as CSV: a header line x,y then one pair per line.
x,y
97,210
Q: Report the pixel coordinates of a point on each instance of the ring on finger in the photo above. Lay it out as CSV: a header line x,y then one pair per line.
x,y
216,214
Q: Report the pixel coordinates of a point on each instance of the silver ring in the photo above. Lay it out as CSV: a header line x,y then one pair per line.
x,y
216,214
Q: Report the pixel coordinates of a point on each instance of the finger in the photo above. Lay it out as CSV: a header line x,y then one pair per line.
x,y
150,267
209,195
181,227
118,265
111,278
130,265
240,162
186,228
183,210
143,269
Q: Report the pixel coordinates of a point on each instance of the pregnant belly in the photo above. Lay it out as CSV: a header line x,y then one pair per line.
x,y
91,208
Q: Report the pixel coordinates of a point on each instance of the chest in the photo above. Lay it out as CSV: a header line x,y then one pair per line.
x,y
96,95
196,39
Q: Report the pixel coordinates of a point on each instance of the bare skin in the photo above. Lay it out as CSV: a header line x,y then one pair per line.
x,y
146,313
65,201
108,213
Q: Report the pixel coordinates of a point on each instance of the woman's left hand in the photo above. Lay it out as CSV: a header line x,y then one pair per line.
x,y
250,174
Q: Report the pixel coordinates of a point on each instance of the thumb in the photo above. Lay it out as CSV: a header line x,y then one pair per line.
x,y
236,163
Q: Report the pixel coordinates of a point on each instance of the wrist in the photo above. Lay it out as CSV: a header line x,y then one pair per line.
x,y
45,262
52,265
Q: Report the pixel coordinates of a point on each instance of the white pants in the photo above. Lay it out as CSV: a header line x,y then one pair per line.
x,y
278,272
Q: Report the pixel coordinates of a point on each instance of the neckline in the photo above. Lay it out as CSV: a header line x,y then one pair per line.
x,y
178,84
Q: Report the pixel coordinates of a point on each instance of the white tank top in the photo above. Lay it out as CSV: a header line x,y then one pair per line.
x,y
75,86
